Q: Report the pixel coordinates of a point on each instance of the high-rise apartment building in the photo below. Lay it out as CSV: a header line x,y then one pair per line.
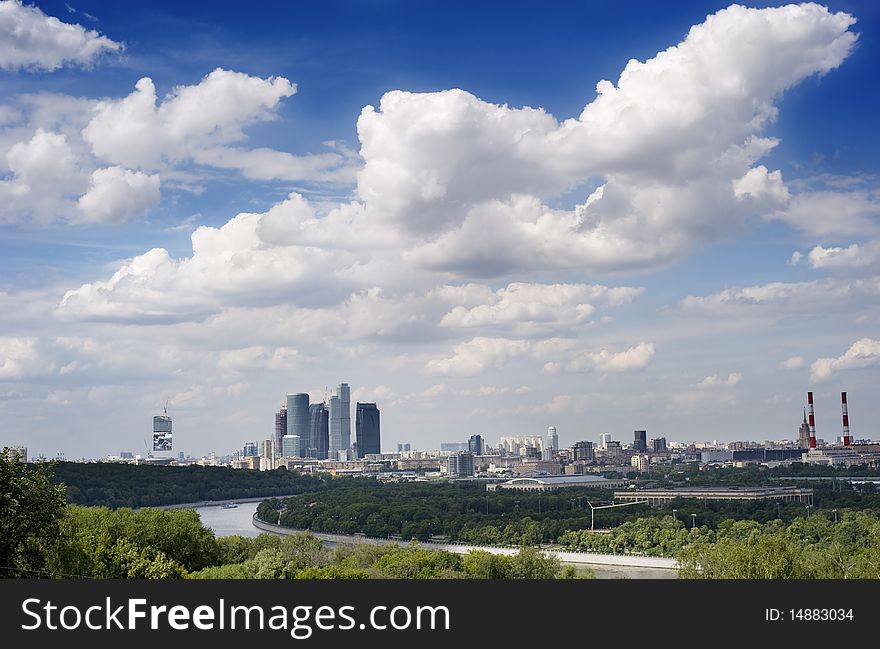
x,y
250,450
460,464
367,429
604,438
298,416
476,444
319,432
658,445
552,439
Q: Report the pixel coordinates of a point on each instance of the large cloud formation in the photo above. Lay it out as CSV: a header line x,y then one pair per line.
x,y
675,141
31,40
107,163
453,184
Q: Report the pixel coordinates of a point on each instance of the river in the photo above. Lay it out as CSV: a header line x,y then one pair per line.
x,y
226,522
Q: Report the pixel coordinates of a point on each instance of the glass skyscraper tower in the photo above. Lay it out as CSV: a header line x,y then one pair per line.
x,y
367,429
298,416
340,420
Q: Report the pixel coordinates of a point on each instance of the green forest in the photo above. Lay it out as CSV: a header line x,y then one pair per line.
x,y
43,536
130,485
466,512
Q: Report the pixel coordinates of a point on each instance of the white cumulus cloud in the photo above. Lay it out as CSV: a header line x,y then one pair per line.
x,y
135,132
793,363
116,194
863,353
31,40
853,256
715,381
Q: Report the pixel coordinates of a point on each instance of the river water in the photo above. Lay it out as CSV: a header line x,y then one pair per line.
x,y
226,522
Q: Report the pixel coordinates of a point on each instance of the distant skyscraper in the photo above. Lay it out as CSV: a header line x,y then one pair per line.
x,y
344,394
319,432
476,444
367,429
604,438
280,426
340,420
552,438
298,416
250,450
640,440
404,448
454,446
804,433
335,428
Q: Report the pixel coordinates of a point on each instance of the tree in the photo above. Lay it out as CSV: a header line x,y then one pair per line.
x,y
30,508
530,563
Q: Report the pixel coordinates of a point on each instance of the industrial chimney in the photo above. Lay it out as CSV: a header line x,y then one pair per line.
x,y
812,420
846,438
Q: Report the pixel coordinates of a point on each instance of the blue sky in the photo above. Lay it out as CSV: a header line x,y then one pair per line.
x,y
687,251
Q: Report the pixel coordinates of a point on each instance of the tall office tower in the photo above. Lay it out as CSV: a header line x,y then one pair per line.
x,y
404,448
335,429
344,394
250,450
290,446
298,417
319,432
658,444
476,444
604,438
367,429
280,427
552,439
640,440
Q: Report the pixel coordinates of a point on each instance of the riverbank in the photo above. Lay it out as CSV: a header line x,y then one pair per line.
x,y
606,566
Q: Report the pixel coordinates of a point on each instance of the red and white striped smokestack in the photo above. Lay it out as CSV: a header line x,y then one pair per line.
x,y
846,438
812,420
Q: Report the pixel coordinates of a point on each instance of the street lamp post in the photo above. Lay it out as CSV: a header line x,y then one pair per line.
x,y
834,511
693,521
674,519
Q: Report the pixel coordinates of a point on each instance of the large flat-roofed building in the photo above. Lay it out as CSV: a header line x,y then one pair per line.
x,y
664,496
552,482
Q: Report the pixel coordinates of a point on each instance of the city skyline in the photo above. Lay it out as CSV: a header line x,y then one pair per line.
x,y
597,218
